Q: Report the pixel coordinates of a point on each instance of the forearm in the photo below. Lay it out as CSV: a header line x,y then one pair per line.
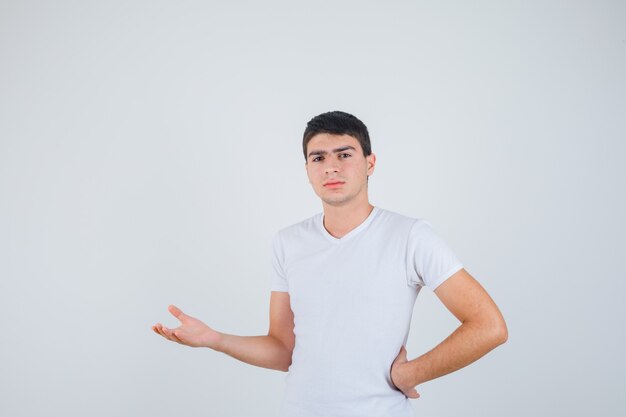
x,y
469,342
264,351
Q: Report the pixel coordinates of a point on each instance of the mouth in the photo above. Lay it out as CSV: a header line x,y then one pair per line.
x,y
334,184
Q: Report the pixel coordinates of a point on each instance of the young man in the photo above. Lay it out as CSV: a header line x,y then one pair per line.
x,y
344,283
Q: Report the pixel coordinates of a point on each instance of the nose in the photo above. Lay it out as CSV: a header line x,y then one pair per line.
x,y
331,166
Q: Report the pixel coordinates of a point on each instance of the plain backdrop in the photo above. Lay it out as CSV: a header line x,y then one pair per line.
x,y
149,150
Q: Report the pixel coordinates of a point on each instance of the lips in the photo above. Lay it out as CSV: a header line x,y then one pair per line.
x,y
333,183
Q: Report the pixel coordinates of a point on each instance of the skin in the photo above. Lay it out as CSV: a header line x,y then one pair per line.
x,y
340,158
482,329
347,206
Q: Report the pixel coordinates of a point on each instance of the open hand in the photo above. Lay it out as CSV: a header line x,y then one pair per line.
x,y
191,332
399,375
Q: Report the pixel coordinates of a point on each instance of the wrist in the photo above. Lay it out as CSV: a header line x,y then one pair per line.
x,y
217,341
409,373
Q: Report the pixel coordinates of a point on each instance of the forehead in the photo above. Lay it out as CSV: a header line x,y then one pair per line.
x,y
329,141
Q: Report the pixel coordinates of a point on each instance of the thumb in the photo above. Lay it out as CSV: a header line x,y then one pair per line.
x,y
412,393
401,355
177,312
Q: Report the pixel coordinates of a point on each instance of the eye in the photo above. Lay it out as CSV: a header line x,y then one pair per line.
x,y
316,159
347,154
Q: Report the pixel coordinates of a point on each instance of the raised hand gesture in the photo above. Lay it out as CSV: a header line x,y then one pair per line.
x,y
191,332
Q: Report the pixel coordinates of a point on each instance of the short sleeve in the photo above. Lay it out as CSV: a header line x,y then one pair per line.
x,y
277,273
429,259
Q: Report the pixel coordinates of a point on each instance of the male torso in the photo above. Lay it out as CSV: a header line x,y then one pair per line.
x,y
352,300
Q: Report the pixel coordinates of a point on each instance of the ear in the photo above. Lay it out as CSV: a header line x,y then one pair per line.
x,y
371,163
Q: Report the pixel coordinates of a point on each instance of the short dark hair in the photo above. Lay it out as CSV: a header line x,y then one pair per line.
x,y
337,123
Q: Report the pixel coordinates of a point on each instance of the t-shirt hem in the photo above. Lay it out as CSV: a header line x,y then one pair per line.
x,y
433,286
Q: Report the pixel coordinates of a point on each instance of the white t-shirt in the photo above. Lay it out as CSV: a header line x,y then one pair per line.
x,y
352,300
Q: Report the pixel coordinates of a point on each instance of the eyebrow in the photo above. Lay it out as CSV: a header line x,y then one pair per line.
x,y
343,148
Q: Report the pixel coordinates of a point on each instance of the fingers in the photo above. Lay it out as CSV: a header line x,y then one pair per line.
x,y
177,312
396,370
166,333
403,352
158,329
412,393
401,355
174,337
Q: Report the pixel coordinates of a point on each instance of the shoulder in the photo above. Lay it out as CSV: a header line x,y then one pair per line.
x,y
297,230
393,220
413,228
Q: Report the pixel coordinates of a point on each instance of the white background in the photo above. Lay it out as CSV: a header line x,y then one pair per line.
x,y
150,149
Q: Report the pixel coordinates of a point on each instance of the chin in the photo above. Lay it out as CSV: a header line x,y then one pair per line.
x,y
336,201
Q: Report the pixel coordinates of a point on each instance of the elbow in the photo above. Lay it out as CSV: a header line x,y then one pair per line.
x,y
495,329
286,364
500,333
493,332
285,359
282,352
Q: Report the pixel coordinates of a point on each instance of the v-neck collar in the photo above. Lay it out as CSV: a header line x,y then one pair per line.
x,y
351,233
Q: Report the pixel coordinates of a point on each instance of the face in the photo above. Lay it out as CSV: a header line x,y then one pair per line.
x,y
337,169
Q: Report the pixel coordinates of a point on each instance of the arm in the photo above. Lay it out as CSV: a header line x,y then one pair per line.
x,y
272,351
482,329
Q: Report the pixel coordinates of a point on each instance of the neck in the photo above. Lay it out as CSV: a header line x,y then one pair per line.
x,y
340,220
